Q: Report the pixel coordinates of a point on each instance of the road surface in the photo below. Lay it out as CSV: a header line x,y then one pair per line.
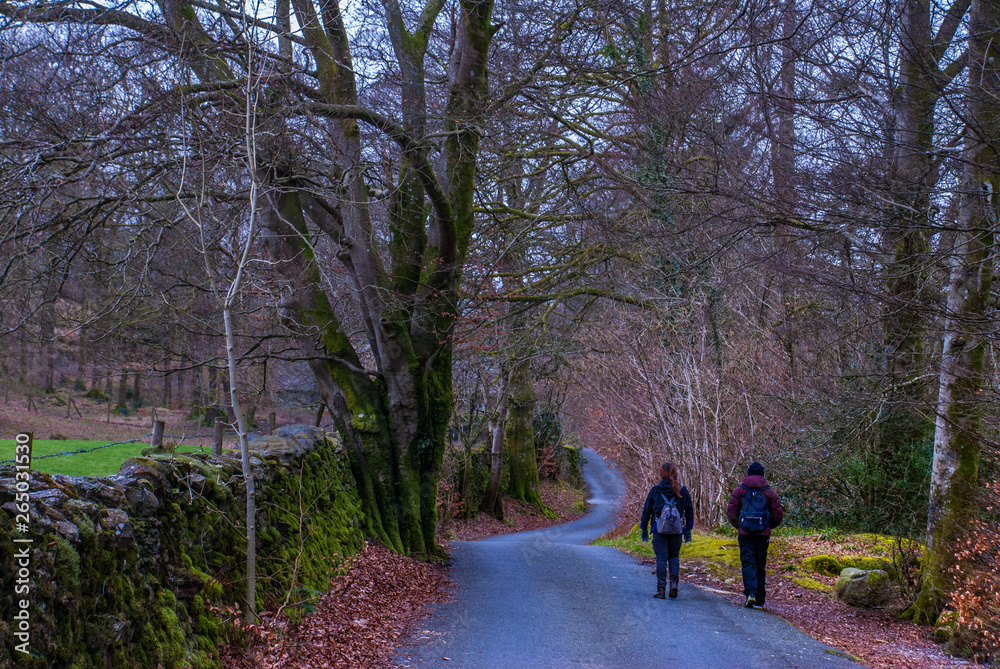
x,y
547,600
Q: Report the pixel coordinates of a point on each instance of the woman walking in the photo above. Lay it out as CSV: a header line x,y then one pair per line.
x,y
670,525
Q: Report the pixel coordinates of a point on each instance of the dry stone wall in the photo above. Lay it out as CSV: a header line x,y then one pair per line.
x,y
127,570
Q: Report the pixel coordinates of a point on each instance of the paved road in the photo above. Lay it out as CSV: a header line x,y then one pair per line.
x,y
547,600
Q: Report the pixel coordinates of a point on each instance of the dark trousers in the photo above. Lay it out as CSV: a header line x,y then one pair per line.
x,y
667,548
753,557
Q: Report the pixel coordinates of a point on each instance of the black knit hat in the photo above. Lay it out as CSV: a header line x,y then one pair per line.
x,y
755,469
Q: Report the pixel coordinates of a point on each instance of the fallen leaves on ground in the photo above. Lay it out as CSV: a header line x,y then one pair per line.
x,y
358,621
519,516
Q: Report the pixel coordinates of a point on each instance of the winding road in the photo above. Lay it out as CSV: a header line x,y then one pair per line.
x,y
547,600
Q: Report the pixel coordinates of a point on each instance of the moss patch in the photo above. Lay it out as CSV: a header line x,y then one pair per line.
x,y
823,564
811,584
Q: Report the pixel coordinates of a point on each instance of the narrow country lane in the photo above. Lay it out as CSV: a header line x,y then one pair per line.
x,y
547,600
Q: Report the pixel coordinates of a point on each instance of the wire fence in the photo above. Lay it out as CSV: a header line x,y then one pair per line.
x,y
120,443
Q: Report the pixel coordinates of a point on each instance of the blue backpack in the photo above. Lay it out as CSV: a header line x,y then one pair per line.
x,y
755,512
670,520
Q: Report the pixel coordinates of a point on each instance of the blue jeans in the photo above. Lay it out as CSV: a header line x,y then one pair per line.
x,y
753,558
667,548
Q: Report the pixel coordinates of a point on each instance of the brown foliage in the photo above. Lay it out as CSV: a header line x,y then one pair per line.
x,y
358,620
976,601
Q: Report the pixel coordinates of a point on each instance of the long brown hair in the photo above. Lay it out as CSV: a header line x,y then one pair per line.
x,y
668,470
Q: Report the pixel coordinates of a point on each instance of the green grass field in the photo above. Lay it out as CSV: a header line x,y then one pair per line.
x,y
101,462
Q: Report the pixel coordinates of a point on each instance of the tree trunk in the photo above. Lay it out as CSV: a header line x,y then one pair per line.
x,y
958,428
122,385
137,387
85,358
519,436
179,396
167,385
47,336
492,503
22,373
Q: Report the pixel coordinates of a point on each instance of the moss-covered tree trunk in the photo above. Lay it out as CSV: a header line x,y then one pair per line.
x,y
519,436
392,405
958,430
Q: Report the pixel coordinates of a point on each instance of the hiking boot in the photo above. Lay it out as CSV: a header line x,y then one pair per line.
x,y
661,586
673,586
751,601
759,607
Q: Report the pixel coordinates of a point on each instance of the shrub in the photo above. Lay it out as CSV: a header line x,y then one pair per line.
x,y
96,394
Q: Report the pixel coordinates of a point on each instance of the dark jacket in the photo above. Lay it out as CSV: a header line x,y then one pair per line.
x,y
736,501
654,504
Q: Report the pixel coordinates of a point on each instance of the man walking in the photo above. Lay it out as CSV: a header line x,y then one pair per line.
x,y
754,508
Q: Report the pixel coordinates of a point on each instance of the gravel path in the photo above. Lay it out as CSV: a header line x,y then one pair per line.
x,y
547,600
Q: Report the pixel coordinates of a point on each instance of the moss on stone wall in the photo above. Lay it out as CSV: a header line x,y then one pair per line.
x,y
125,570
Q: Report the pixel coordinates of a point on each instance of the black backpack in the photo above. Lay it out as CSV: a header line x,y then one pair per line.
x,y
755,511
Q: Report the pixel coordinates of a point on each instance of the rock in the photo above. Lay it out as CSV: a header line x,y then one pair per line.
x,y
50,497
68,530
141,499
117,525
145,469
103,491
864,588
730,580
47,512
869,563
82,507
197,482
944,628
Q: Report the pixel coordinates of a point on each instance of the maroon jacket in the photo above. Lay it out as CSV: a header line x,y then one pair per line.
x,y
736,501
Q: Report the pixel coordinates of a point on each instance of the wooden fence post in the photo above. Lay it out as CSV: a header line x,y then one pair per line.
x,y
217,441
157,439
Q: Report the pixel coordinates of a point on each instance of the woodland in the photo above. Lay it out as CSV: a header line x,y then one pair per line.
x,y
706,232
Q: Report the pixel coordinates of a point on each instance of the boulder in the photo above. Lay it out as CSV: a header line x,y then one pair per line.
x,y
864,588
